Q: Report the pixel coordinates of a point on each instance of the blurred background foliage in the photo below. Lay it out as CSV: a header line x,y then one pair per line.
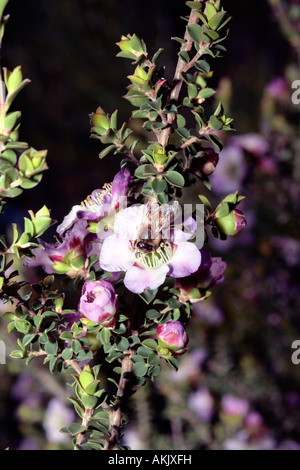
x,y
240,339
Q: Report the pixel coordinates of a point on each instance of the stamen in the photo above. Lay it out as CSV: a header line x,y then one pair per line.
x,y
156,258
94,200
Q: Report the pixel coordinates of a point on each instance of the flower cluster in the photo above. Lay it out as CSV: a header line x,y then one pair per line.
x,y
136,261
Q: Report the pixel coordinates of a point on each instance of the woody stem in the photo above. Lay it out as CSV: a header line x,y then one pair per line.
x,y
182,67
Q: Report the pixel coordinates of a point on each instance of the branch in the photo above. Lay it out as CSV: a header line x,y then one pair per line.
x,y
182,67
116,414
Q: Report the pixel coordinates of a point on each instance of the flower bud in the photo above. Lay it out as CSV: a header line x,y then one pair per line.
x,y
100,121
98,302
88,386
207,163
140,76
172,336
159,155
131,47
232,224
86,377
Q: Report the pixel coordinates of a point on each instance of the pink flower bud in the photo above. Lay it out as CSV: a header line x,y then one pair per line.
x,y
233,223
172,336
98,302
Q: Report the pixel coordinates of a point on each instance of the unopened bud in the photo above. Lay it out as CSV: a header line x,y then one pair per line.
x,y
232,224
172,336
206,164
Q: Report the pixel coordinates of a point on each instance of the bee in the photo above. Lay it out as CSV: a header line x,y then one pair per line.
x,y
155,230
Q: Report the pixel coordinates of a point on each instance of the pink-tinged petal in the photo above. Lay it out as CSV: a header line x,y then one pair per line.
x,y
187,230
128,222
185,261
116,254
138,279
41,259
120,186
69,219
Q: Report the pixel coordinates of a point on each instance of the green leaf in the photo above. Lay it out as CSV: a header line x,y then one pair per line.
x,y
184,56
3,4
144,171
216,20
11,96
17,354
205,201
173,362
76,346
29,338
134,340
215,141
106,151
194,5
233,198
203,66
89,401
180,40
66,335
180,120
148,295
214,123
73,429
195,32
162,198
51,348
153,359
143,351
174,178
12,120
192,91
14,79
23,326
150,343
136,44
210,10
152,314
159,185
140,369
155,371
206,93
156,55
67,354
123,344
11,192
104,335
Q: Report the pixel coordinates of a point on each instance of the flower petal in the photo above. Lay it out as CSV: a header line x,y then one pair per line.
x,y
128,222
120,186
69,219
184,232
185,261
116,254
138,279
41,259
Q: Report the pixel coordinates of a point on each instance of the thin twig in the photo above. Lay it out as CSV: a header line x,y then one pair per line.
x,y
182,67
86,417
74,365
116,415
